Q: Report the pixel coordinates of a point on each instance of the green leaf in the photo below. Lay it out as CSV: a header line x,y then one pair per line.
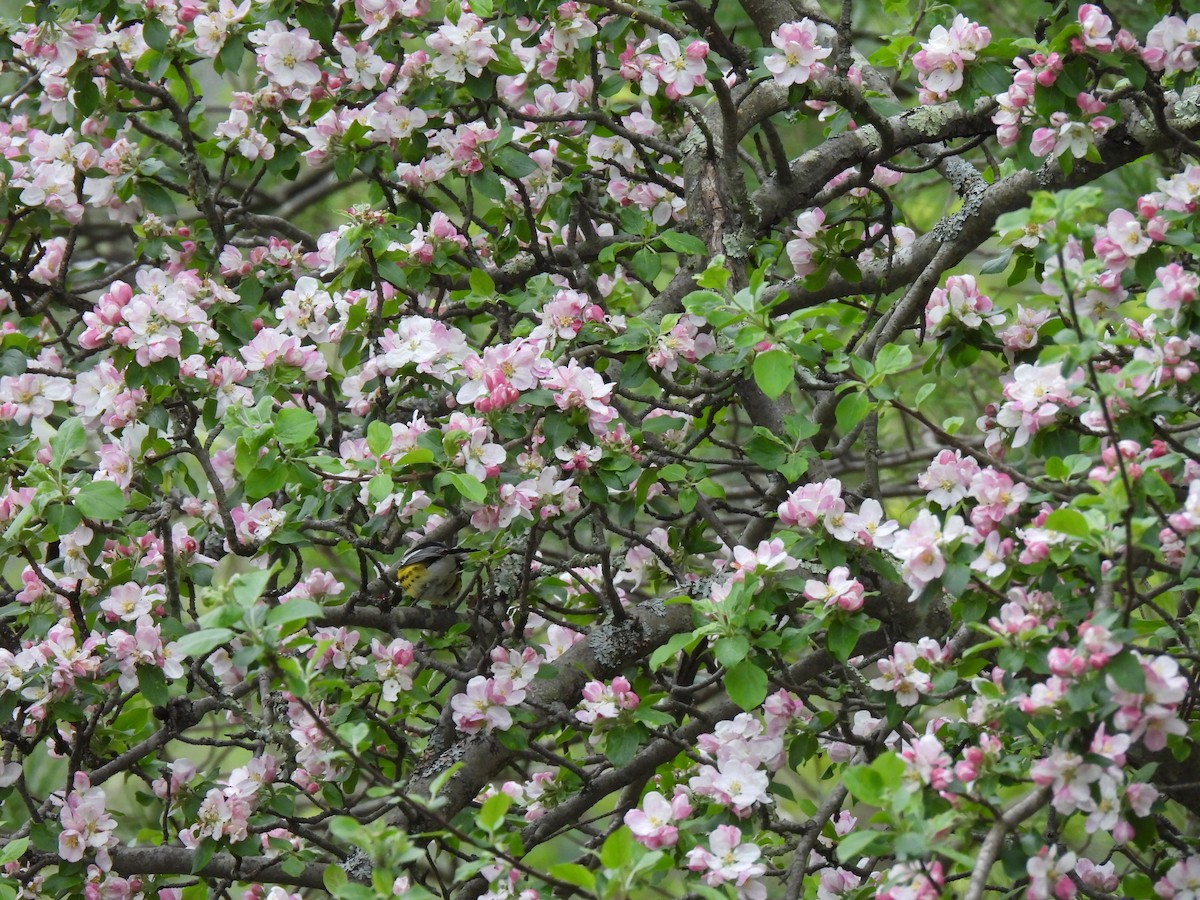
x,y
851,410
379,438
659,424
294,611
864,784
197,643
1057,469
155,34
155,197
153,684
231,55
87,95
617,850
14,850
841,638
731,650
515,163
773,372
646,264
716,276
746,685
766,452
668,650
1127,672
482,283
314,17
860,843
68,443
293,427
892,359
491,814
621,743
573,873
683,243
997,264
101,501
247,587
1068,521
203,855
469,486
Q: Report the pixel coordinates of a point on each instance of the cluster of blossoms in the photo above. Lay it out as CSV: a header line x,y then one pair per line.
x,y
905,673
822,502
1068,135
152,320
605,701
317,753
1015,105
952,478
1033,398
684,340
941,59
1182,880
1172,44
922,548
728,859
144,647
30,397
802,248
741,749
393,666
962,302
485,703
769,556
536,794
224,813
86,825
335,647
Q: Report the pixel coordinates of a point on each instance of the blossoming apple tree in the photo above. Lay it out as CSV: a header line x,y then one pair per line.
x,y
812,389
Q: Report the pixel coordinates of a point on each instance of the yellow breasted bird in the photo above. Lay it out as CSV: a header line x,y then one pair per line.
x,y
431,572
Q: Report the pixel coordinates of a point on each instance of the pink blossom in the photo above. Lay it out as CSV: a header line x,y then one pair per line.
x,y
1176,287
1049,875
684,340
799,59
604,701
948,478
838,590
927,761
727,859
336,648
1171,45
484,705
651,824
1096,27
899,675
86,824
939,62
462,49
682,71
580,387
810,502
802,248
287,58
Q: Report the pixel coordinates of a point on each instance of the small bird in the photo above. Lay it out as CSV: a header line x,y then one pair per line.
x,y
430,572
